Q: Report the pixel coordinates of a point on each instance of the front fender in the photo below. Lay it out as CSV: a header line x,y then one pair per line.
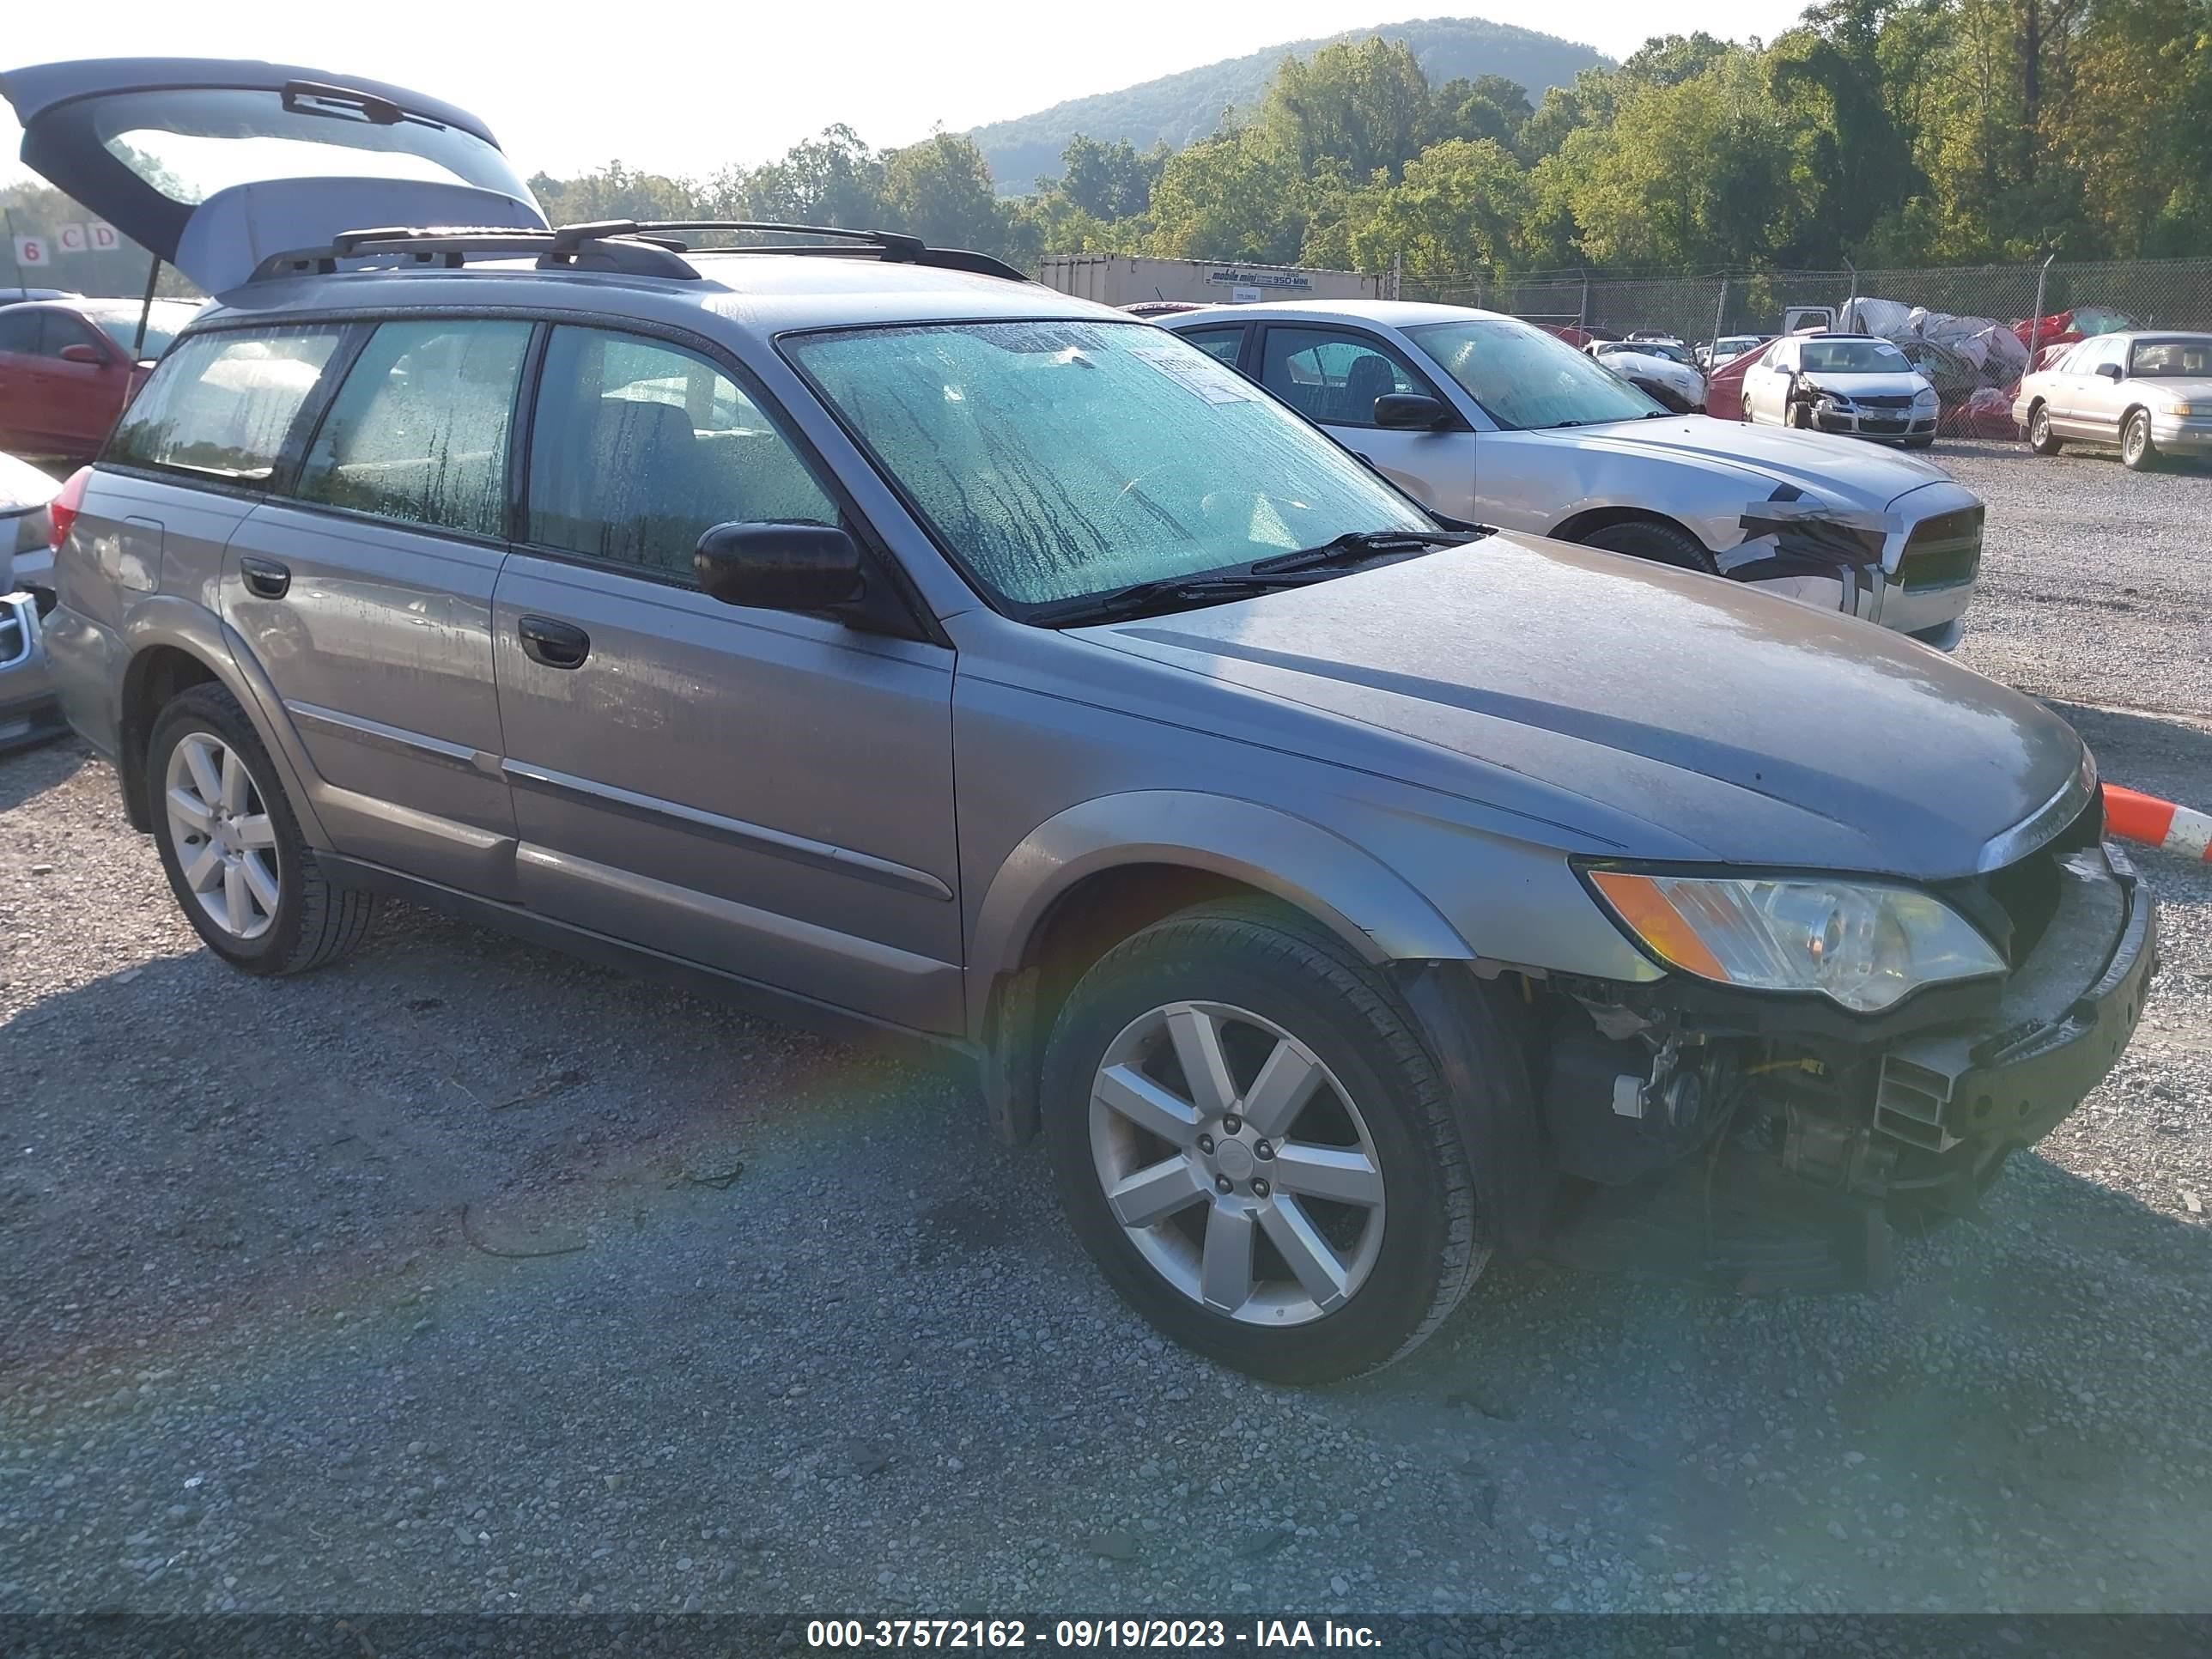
x,y
162,620
1370,907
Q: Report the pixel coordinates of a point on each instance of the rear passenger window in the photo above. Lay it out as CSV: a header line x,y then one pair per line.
x,y
639,447
221,403
419,430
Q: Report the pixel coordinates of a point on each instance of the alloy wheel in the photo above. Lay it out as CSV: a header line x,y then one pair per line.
x,y
226,845
1237,1165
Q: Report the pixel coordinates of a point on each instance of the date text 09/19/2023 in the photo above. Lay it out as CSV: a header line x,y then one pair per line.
x,y
1083,1634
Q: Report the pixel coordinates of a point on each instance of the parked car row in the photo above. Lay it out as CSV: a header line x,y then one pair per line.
x,y
1339,888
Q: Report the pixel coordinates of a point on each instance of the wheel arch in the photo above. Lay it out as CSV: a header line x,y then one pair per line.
x,y
1099,871
1590,519
174,645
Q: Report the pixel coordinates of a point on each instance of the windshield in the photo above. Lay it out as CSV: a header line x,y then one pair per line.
x,y
1854,358
163,323
1528,379
188,144
1060,459
1666,349
2189,358
1735,346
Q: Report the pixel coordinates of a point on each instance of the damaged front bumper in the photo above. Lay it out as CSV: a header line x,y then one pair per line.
x,y
1951,1099
1911,569
1767,1148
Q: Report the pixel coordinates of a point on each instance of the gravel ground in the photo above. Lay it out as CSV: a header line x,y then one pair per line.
x,y
465,1278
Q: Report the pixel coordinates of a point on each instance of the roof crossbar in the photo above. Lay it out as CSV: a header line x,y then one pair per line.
x,y
635,247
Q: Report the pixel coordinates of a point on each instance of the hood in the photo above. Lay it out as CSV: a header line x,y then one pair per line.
x,y
1901,384
1820,462
1657,368
1561,682
2195,389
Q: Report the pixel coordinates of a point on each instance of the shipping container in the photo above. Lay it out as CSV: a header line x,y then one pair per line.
x,y
1119,279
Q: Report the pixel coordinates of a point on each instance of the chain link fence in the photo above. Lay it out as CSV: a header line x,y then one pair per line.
x,y
2154,292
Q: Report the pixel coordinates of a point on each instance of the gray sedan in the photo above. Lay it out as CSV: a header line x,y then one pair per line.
x,y
1493,421
2149,393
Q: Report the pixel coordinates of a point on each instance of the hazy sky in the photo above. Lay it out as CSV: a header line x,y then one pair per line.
x,y
687,88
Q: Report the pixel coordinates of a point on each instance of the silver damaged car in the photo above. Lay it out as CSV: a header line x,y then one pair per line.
x,y
1492,421
859,631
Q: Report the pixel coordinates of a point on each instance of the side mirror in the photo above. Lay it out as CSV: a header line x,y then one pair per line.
x,y
780,566
78,352
1410,411
2109,371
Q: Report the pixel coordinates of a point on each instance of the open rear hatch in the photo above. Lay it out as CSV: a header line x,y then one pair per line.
x,y
215,165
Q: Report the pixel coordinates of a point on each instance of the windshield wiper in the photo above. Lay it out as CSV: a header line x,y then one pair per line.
x,y
1140,597
1355,546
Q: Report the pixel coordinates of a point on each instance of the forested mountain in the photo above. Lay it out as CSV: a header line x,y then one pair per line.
x,y
1177,110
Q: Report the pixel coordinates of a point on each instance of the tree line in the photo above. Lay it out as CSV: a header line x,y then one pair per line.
x,y
1888,132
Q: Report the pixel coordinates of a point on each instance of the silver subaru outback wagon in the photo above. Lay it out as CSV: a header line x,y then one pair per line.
x,y
1343,893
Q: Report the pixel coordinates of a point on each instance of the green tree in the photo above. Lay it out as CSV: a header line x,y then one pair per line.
x,y
1364,104
831,179
1461,204
1489,107
1233,196
940,190
615,191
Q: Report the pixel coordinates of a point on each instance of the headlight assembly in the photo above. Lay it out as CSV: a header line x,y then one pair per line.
x,y
1925,398
1864,944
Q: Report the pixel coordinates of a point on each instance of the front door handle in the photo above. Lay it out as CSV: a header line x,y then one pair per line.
x,y
265,579
555,644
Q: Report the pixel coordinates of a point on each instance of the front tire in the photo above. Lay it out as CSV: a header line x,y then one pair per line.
x,y
244,876
2135,447
2041,440
1646,538
1256,1148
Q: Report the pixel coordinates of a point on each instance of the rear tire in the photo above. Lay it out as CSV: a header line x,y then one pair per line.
x,y
244,875
2041,440
2135,447
1234,1272
1662,544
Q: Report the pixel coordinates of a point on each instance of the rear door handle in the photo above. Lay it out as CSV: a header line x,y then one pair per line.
x,y
265,579
555,644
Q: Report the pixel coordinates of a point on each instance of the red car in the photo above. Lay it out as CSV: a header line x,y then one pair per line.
x,y
66,370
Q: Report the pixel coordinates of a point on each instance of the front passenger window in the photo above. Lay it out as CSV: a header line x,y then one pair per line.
x,y
1333,379
419,430
639,447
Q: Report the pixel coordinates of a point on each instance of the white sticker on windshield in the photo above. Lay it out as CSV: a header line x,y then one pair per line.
x,y
1193,371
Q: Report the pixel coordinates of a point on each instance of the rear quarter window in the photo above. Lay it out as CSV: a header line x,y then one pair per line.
x,y
221,405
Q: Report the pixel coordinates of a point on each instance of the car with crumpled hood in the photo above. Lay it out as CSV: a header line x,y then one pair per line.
x,y
858,630
1850,385
1496,421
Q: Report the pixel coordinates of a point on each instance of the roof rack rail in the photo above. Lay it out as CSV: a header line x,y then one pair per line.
x,y
613,246
896,246
635,247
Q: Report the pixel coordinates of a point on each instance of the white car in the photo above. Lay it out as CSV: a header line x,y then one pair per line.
x,y
1855,384
2151,393
1490,420
1660,368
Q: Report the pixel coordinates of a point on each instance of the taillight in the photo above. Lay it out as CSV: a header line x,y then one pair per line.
x,y
61,511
